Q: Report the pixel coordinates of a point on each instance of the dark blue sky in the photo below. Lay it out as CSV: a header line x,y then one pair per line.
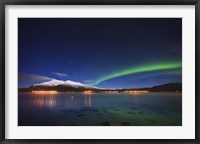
x,y
87,49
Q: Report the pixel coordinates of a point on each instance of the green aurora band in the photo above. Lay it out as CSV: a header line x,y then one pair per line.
x,y
177,72
139,69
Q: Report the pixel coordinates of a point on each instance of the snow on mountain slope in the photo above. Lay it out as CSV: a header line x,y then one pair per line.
x,y
76,84
52,82
55,82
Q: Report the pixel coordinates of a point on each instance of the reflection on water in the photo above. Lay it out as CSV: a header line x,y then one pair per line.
x,y
88,100
44,100
40,100
93,109
136,100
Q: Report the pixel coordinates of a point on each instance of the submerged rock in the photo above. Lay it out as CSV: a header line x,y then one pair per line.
x,y
165,113
141,113
152,121
106,123
89,109
70,111
129,112
80,115
126,123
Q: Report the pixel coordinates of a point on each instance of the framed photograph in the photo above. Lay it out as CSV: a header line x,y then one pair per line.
x,y
100,71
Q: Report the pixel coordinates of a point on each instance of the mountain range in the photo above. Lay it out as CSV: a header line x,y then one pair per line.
x,y
71,86
70,83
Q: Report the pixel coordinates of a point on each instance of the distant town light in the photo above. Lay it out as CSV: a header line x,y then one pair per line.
x,y
137,91
44,92
87,92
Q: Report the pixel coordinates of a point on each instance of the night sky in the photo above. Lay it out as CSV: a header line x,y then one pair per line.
x,y
104,52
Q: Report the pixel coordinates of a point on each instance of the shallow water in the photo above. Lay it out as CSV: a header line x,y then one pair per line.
x,y
100,109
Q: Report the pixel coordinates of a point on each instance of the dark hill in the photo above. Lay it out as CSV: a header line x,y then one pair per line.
x,y
170,87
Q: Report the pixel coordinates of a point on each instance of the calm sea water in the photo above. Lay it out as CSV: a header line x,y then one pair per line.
x,y
100,109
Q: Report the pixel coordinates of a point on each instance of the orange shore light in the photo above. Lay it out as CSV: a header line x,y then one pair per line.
x,y
87,92
138,92
44,92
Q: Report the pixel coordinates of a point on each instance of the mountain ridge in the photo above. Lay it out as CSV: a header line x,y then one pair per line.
x,y
71,86
55,82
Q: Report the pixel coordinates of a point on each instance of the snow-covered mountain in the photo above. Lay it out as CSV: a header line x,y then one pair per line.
x,y
52,82
70,83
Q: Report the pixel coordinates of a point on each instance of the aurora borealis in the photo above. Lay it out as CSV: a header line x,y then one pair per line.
x,y
140,69
103,52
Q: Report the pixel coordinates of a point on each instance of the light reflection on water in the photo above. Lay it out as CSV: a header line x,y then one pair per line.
x,y
82,99
88,102
44,100
100,109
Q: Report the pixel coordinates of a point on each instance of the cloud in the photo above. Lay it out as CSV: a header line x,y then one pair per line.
x,y
88,81
32,77
60,74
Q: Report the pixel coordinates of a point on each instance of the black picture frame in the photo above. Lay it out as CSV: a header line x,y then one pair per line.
x,y
3,4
